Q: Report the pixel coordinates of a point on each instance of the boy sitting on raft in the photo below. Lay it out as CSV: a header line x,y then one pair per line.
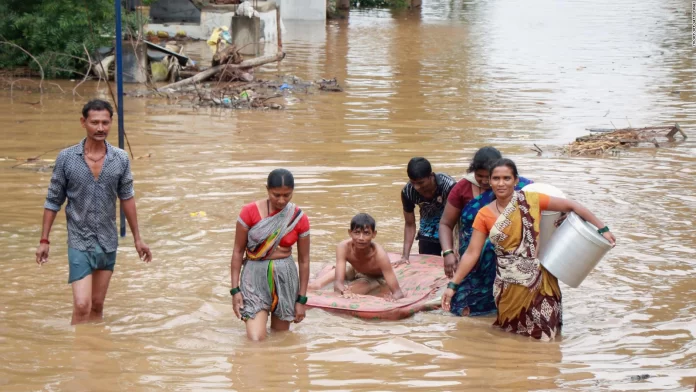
x,y
369,264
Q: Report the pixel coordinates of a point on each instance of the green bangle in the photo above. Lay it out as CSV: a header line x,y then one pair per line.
x,y
235,290
453,286
301,299
603,230
447,252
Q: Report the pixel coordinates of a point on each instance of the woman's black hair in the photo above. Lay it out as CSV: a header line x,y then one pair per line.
x,y
504,162
483,158
279,178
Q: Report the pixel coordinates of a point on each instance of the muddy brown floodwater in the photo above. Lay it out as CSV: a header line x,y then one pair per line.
x,y
439,82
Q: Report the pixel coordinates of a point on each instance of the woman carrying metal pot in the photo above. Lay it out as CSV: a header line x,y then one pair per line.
x,y
527,296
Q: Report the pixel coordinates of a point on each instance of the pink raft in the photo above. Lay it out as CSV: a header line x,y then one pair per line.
x,y
421,281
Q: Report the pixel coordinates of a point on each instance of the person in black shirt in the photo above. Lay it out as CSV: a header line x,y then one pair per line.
x,y
429,192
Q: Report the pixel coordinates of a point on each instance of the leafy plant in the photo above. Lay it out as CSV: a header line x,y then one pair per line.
x,y
132,22
55,32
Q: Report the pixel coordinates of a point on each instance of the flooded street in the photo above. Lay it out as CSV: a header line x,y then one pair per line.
x,y
438,82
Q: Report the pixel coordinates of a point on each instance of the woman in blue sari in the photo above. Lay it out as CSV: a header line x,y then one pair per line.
x,y
474,295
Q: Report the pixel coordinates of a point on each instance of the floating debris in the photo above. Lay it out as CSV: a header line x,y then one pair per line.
x,y
603,141
329,85
35,165
640,377
257,94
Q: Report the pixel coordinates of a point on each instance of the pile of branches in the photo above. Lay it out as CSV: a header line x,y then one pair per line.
x,y
225,69
257,94
230,55
603,141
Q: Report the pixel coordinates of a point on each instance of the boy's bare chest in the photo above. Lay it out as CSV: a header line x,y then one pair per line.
x,y
366,265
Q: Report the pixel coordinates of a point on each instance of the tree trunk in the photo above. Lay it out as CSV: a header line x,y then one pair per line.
x,y
208,73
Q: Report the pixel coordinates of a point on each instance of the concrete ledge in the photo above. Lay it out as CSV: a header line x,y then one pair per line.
x,y
263,6
210,19
222,15
192,30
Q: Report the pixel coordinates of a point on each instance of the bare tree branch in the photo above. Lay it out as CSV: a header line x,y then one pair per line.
x,y
67,70
68,55
6,42
204,75
74,91
58,85
18,80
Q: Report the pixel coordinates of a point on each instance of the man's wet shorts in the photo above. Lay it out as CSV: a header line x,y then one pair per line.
x,y
83,263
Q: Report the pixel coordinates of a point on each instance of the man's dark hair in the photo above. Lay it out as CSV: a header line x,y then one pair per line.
x,y
418,168
483,158
97,105
279,178
504,162
363,220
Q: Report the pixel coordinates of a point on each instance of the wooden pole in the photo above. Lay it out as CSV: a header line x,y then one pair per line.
x,y
208,73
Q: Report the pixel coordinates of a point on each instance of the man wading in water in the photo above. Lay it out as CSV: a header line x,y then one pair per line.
x,y
91,175
428,191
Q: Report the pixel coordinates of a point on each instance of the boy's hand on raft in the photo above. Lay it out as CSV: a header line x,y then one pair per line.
x,y
402,261
447,299
346,293
299,312
238,304
393,297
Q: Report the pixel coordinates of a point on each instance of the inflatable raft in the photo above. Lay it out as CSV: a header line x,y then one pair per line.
x,y
422,282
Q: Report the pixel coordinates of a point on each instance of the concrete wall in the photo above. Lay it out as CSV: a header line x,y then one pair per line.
x,y
209,20
211,17
303,9
269,26
246,34
174,11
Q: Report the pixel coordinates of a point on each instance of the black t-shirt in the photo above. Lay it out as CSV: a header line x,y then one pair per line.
x,y
430,209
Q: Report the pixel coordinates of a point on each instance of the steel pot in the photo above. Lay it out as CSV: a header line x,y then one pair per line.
x,y
573,250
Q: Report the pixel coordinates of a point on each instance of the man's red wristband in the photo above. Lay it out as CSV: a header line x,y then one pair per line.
x,y
45,241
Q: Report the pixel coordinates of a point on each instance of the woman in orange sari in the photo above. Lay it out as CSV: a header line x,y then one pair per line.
x,y
527,296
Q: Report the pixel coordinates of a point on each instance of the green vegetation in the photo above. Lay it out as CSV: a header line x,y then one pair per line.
x,y
56,33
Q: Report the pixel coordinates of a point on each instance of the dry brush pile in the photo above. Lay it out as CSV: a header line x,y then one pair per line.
x,y
604,141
